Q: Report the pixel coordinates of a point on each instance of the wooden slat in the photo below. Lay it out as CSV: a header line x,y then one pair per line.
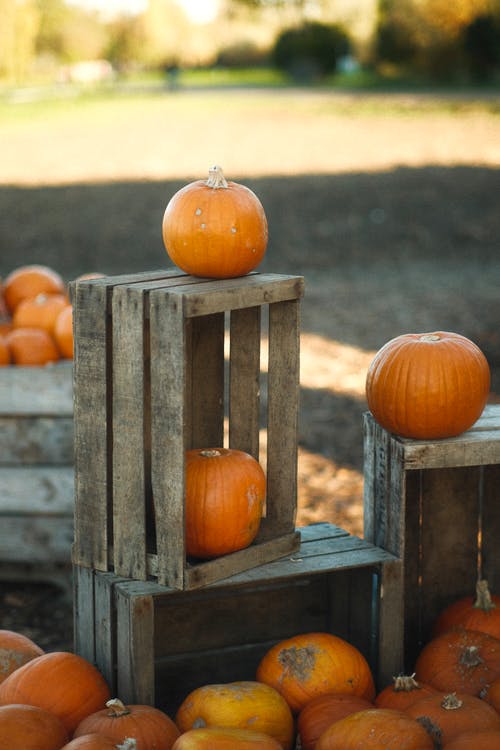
x,y
489,479
135,648
27,440
390,626
84,613
52,396
36,539
244,380
105,626
36,490
205,382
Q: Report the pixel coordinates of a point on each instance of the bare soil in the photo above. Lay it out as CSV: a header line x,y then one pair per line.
x,y
400,233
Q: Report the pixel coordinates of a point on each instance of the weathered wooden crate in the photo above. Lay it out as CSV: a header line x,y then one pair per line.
x,y
154,644
435,505
36,470
151,382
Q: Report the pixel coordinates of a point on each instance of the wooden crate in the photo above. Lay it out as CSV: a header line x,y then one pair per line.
x,y
151,382
435,505
36,470
154,645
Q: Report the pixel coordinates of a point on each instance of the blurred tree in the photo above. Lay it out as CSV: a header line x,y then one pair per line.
x,y
18,29
481,42
127,40
311,50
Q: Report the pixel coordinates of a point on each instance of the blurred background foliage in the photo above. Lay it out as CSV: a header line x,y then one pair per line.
x,y
432,40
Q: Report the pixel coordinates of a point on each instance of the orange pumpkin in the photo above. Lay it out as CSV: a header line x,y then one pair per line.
x,y
15,650
31,347
487,739
39,312
491,694
239,705
28,281
375,729
225,738
479,613
447,716
463,661
148,726
404,691
63,683
224,498
4,352
215,228
24,727
63,332
99,742
311,664
428,385
320,712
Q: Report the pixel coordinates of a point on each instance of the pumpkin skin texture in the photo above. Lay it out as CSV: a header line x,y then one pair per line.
x,y
311,664
320,712
375,729
225,738
148,726
215,229
404,691
238,705
479,613
489,739
30,728
462,661
224,498
428,385
27,282
15,650
99,742
60,682
447,716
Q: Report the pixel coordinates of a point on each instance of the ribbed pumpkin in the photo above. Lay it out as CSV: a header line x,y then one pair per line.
x,y
479,613
447,716
491,694
375,729
99,742
487,739
225,494
404,691
320,712
239,705
225,738
462,661
150,727
63,683
428,385
214,228
311,664
30,728
15,650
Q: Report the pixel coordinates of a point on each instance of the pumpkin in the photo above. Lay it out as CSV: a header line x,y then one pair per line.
x,y
463,661
150,727
214,228
491,694
479,613
4,352
15,650
428,385
447,716
60,682
63,332
487,739
30,728
224,497
239,705
320,712
311,664
31,347
99,742
225,738
404,691
375,729
28,281
39,312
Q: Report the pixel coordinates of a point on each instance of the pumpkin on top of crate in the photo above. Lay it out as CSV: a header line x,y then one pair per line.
x,y
214,228
428,385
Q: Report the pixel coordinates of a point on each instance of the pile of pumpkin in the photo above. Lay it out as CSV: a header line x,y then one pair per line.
x,y
313,691
36,317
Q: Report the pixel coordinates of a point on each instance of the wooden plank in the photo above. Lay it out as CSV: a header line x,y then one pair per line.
x,y
28,439
37,490
244,380
489,479
282,416
39,391
84,613
205,382
36,539
135,648
390,623
369,477
105,625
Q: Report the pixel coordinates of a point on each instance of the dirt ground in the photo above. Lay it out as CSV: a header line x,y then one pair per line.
x,y
410,242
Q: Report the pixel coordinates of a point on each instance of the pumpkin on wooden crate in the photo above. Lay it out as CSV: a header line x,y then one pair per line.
x,y
63,683
481,612
15,650
99,742
462,661
225,738
483,739
215,228
311,664
320,712
428,385
447,716
28,281
244,704
31,347
404,691
41,311
24,727
225,491
376,729
148,726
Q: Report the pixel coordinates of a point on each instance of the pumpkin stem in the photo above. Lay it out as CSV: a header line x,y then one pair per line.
x,y
405,682
430,337
129,743
216,178
470,657
451,702
116,708
212,453
483,597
